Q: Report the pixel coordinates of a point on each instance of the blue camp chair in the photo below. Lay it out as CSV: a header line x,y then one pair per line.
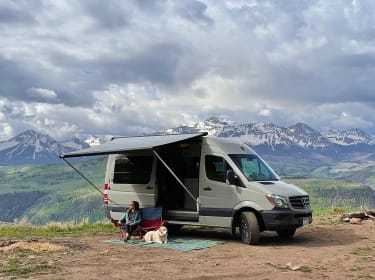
x,y
151,220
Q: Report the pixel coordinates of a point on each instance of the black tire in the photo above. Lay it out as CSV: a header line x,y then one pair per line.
x,y
286,233
234,231
249,228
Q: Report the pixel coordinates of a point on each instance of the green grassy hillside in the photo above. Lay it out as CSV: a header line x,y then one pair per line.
x,y
350,171
329,195
39,194
357,169
59,178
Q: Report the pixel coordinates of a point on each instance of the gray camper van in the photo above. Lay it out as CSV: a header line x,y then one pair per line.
x,y
200,180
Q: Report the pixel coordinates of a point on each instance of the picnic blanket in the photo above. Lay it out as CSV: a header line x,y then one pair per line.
x,y
179,243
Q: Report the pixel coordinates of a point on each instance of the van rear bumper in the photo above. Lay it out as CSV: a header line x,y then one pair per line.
x,y
278,219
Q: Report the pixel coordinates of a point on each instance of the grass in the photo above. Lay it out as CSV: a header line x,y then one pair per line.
x,y
16,268
365,276
328,211
356,268
329,196
55,229
278,266
362,251
18,263
305,268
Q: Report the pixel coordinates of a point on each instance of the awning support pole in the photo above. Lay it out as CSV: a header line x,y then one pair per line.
x,y
175,176
83,176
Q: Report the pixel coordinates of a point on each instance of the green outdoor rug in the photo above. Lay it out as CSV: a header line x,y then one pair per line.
x,y
180,244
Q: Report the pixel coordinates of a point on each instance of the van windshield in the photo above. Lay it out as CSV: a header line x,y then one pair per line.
x,y
253,167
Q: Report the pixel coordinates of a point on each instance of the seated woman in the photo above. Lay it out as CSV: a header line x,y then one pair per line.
x,y
131,219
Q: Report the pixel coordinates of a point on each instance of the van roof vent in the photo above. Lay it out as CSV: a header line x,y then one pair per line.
x,y
266,183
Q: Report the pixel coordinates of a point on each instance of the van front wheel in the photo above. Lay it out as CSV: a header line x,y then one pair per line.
x,y
249,228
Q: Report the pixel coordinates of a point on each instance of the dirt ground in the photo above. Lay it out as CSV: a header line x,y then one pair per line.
x,y
326,249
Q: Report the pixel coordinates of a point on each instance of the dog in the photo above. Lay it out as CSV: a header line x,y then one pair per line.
x,y
158,236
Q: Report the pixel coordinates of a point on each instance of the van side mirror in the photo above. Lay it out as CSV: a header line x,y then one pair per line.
x,y
232,178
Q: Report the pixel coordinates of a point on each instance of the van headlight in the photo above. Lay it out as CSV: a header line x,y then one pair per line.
x,y
277,200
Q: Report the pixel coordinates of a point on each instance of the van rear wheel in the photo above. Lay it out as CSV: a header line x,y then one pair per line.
x,y
249,228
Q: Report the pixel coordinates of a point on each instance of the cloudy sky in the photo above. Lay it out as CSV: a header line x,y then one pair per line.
x,y
127,67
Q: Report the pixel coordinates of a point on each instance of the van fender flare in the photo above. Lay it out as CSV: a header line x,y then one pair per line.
x,y
246,206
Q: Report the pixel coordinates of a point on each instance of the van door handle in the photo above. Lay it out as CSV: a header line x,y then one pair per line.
x,y
149,187
207,188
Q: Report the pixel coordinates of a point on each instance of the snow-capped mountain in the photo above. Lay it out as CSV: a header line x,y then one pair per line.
x,y
34,147
94,141
265,138
76,144
350,137
268,137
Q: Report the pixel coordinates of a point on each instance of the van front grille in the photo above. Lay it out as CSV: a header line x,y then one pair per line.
x,y
299,201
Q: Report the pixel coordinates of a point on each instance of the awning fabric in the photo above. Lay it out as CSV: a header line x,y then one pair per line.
x,y
121,145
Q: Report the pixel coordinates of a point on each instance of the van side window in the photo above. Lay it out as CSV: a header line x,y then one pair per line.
x,y
132,170
216,168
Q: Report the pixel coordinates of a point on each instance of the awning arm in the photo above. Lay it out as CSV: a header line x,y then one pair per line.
x,y
175,176
83,176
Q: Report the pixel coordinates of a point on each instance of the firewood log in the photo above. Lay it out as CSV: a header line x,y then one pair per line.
x,y
360,215
370,213
356,221
364,214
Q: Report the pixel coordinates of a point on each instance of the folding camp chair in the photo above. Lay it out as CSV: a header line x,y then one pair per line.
x,y
151,219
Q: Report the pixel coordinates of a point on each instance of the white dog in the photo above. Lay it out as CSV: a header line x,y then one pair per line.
x,y
158,236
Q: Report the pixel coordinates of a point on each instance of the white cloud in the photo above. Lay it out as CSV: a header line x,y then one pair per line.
x,y
125,68
339,116
297,51
344,115
239,4
345,121
42,93
6,131
265,113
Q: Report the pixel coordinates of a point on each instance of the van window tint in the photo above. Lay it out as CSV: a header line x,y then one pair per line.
x,y
132,170
253,167
216,168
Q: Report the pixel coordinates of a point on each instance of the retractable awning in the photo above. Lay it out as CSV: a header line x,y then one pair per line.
x,y
126,144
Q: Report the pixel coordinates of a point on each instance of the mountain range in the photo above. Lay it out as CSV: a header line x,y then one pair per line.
x,y
31,147
269,138
266,138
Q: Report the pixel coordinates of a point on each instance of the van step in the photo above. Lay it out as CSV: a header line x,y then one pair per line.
x,y
181,215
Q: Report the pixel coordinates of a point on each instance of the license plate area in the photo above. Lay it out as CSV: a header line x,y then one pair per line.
x,y
305,221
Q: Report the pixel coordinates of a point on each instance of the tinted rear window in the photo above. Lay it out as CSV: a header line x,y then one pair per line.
x,y
132,170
